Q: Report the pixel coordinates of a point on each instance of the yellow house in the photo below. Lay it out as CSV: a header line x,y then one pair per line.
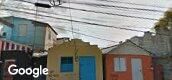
x,y
75,60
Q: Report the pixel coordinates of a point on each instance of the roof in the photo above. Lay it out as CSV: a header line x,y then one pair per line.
x,y
6,22
129,41
108,49
36,22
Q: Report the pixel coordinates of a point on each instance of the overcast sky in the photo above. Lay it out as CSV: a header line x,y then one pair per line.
x,y
91,17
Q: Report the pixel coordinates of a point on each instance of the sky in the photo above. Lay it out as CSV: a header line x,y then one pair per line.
x,y
107,36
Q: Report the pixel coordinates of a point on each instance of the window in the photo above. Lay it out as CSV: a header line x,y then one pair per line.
x,y
7,46
18,47
13,46
119,64
22,29
66,64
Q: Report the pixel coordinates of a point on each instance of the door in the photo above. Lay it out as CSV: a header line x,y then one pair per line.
x,y
137,73
87,68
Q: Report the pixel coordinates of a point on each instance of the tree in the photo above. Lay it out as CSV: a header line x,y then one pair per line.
x,y
164,21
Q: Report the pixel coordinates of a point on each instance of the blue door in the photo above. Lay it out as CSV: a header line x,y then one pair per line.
x,y
87,68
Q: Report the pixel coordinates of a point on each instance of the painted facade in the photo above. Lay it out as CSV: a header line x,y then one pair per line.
x,y
127,61
75,60
33,33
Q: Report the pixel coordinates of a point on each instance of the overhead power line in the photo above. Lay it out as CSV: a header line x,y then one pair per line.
x,y
115,14
77,21
113,6
104,5
131,3
87,35
98,12
62,15
103,25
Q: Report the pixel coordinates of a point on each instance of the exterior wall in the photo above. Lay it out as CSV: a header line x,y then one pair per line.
x,y
166,64
34,35
7,30
67,49
49,42
160,46
110,74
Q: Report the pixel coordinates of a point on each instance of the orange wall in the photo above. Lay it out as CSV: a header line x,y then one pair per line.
x,y
110,74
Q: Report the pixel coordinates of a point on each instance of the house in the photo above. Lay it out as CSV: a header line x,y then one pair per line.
x,y
39,35
160,45
128,61
75,60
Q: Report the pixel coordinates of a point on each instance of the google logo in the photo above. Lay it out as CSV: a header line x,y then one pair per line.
x,y
28,71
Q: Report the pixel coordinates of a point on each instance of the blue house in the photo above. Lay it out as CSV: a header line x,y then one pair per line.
x,y
39,35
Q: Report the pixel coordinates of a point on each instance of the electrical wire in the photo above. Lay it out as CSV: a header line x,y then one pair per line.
x,y
40,11
117,8
89,23
105,5
77,21
106,39
113,6
69,16
107,13
83,22
95,37
75,47
131,3
114,14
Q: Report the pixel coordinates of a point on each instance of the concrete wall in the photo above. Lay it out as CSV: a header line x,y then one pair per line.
x,y
68,49
49,42
110,74
160,44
